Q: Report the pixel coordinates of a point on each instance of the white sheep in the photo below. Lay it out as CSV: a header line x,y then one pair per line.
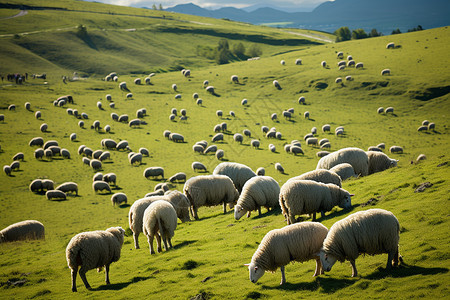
x,y
306,115
359,65
396,149
178,177
320,175
344,170
217,137
36,185
97,176
237,137
380,110
390,45
36,141
47,184
95,164
301,100
159,219
55,194
279,168
68,187
239,173
176,137
19,156
389,110
257,192
299,197
297,242
93,249
101,185
386,72
276,84
198,166
298,61
378,161
110,178
38,114
373,231
354,156
255,143
272,148
118,198
154,172
122,145
44,127
210,190
24,230
15,165
321,154
234,79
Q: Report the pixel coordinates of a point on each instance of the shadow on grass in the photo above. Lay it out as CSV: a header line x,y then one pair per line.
x,y
404,270
273,212
327,285
183,244
119,286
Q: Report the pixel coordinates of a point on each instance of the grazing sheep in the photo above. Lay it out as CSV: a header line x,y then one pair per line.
x,y
110,178
154,172
255,143
55,194
431,126
198,166
344,170
135,158
282,62
178,177
359,65
374,148
378,161
340,55
219,113
301,100
396,149
422,128
234,79
38,114
122,145
260,171
386,72
137,81
36,186
247,133
95,164
99,105
210,89
210,190
420,158
312,141
65,153
135,123
354,156
7,170
68,187
323,64
43,127
297,242
390,45
287,114
298,61
320,175
272,148
279,168
380,110
198,148
287,148
123,86
115,117
326,128
210,149
101,185
159,219
217,137
314,130
86,161
389,110
238,138
15,165
239,173
123,118
321,154
338,80
274,116
298,197
24,230
83,115
257,192
232,114
306,115
97,176
381,146
118,198
350,63
373,231
276,84
36,141
47,184
48,153
342,63
39,153
18,156
219,154
12,107
93,249
296,150
199,101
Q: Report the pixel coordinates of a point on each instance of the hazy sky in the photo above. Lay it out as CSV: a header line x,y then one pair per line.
x,y
290,5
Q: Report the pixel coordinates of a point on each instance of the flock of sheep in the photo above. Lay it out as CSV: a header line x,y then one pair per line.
x,y
232,184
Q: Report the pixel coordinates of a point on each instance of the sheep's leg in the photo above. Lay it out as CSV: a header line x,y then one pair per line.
x,y
150,243
390,259
158,243
291,219
319,269
136,240
170,242
74,279
354,271
396,257
83,277
248,214
195,212
313,217
224,207
322,213
107,274
259,210
283,277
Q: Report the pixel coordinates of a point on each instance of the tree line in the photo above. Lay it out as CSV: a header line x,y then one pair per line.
x,y
223,53
345,34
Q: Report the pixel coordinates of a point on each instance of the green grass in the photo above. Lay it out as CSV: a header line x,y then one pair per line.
x,y
209,254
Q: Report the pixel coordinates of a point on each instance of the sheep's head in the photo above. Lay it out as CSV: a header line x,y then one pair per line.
x,y
255,272
393,163
327,260
239,211
346,200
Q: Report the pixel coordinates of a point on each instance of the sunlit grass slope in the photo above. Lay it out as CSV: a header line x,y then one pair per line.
x,y
209,254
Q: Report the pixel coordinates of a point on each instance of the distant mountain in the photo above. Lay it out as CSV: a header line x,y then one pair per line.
x,y
384,15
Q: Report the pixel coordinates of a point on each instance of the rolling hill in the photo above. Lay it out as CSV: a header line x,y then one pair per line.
x,y
208,255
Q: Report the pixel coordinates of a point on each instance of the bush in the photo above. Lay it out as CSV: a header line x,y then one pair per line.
x,y
239,50
358,34
396,31
254,51
343,34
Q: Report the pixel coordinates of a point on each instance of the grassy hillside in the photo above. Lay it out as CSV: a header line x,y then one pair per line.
x,y
122,39
209,254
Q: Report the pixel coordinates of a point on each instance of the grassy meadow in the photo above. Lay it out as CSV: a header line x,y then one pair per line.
x,y
208,255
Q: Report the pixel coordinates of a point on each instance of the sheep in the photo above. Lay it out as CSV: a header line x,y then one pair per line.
x,y
15,165
118,198
219,154
144,151
134,122
260,171
107,128
36,141
272,148
389,110
306,115
159,219
110,178
178,177
431,126
24,230
312,141
342,63
299,197
176,137
7,170
136,213
279,168
154,172
396,149
18,156
55,150
115,117
159,192
43,127
271,134
135,158
234,79
323,64
99,105
298,61
36,185
386,72
232,114
255,143
68,187
239,173
108,97
274,116
321,154
373,231
219,113
122,145
205,83
320,175
297,242
287,114
282,62
257,191
422,128
338,80
381,146
359,65
339,132
210,190
344,170
97,176
296,150
350,63
96,125
247,133
174,87
47,184
123,118
420,158
137,81
83,115
238,138
390,45
48,153
162,186
86,161
210,149
301,100
210,89
287,148
199,101
264,129
276,84
55,194
12,107
95,164
38,114
198,166
93,249
314,130
354,156
108,143
101,185
326,128
379,161
340,55
198,148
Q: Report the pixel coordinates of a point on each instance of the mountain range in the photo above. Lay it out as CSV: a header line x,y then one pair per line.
x,y
384,15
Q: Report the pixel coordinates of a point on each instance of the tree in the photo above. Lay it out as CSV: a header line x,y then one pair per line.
x,y
374,33
222,57
161,7
254,51
239,50
154,7
396,31
223,44
343,34
358,34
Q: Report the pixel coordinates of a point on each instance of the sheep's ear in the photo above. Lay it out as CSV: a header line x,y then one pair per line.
x,y
351,195
246,265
